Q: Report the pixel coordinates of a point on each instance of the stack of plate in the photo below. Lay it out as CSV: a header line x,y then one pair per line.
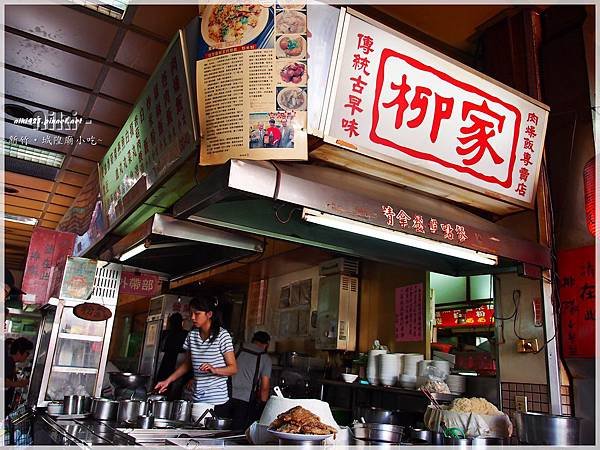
x,y
387,369
456,383
372,375
410,364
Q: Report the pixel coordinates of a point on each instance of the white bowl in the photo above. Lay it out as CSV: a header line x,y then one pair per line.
x,y
349,377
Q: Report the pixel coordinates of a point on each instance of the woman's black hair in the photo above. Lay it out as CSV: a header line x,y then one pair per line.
x,y
208,304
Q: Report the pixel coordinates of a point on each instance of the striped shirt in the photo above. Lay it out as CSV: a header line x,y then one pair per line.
x,y
209,388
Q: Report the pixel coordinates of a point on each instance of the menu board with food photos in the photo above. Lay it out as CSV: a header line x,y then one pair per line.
x,y
252,81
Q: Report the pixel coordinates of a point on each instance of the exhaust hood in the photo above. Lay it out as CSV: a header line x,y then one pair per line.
x,y
267,198
180,247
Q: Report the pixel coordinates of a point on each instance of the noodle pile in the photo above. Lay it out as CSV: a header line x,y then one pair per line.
x,y
475,405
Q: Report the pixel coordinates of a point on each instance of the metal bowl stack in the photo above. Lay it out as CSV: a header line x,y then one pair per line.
x,y
377,432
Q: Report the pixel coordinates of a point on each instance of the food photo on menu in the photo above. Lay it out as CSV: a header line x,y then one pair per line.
x,y
229,26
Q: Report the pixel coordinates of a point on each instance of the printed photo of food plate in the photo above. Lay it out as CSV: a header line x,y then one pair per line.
x,y
290,22
225,26
292,73
290,4
290,46
292,99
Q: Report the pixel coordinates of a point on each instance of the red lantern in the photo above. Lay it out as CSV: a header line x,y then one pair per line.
x,y
589,189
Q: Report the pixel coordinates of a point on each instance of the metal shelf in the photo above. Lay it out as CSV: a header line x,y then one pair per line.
x,y
80,337
67,369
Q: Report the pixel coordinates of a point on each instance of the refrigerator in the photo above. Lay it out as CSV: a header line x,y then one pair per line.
x,y
161,308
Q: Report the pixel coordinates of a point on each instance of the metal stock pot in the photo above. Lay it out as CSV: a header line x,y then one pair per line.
x,y
129,410
104,409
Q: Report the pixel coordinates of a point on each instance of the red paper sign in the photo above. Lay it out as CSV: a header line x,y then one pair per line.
x,y
48,252
145,284
576,269
470,317
92,311
409,313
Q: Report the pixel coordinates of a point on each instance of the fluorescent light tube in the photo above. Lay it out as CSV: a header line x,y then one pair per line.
x,y
134,251
20,219
365,229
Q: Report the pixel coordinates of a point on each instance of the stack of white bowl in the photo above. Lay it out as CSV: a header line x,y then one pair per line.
x,y
372,375
408,379
456,383
442,366
199,408
400,362
387,369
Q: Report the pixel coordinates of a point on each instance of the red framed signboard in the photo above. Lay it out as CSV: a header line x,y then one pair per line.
x,y
470,317
396,100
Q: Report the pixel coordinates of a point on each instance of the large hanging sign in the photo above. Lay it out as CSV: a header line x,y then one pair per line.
x,y
577,269
396,100
159,132
252,77
48,252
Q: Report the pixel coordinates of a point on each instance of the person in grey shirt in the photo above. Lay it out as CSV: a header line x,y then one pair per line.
x,y
251,384
287,135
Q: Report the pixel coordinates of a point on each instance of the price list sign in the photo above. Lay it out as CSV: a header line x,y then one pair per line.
x,y
158,133
409,313
576,269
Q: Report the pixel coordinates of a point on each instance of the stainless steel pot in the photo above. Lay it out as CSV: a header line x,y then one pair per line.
x,y
76,404
486,442
547,429
129,410
145,421
421,436
104,409
376,415
217,423
55,408
378,432
464,443
160,409
182,410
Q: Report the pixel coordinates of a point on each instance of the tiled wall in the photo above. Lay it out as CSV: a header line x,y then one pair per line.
x,y
537,398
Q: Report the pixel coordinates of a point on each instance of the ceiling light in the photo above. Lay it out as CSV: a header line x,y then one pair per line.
x,y
398,237
134,251
20,219
112,8
35,155
17,111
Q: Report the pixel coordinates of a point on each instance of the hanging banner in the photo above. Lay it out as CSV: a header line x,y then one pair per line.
x,y
409,313
144,284
159,133
48,252
252,82
396,100
576,269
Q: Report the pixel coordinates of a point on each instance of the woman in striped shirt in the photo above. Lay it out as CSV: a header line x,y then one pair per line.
x,y
210,355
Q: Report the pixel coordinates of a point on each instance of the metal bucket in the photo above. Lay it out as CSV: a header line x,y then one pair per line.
x,y
182,410
547,429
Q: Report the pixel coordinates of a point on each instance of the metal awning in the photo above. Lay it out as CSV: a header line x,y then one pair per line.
x,y
179,247
268,198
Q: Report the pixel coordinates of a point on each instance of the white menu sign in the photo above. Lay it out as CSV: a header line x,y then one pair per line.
x,y
394,99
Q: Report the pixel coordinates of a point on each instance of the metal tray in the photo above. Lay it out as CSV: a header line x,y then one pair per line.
x,y
69,416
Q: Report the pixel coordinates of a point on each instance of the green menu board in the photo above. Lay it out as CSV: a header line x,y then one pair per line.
x,y
159,132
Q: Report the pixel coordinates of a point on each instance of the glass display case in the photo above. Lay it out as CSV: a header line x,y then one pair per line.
x,y
71,352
